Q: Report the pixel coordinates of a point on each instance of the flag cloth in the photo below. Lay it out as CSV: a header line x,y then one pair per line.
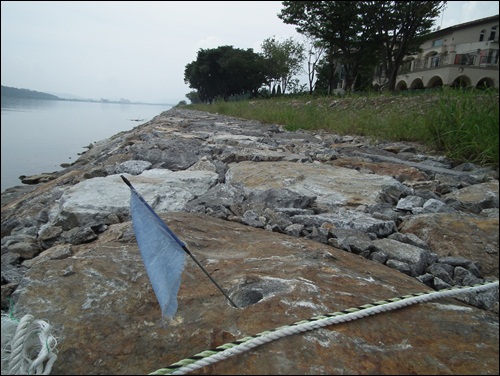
x,y
162,252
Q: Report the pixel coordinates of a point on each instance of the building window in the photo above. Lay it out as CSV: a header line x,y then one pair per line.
x,y
406,67
464,59
437,42
419,64
435,61
481,36
489,57
493,33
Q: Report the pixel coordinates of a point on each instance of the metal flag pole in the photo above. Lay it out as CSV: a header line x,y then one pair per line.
x,y
209,276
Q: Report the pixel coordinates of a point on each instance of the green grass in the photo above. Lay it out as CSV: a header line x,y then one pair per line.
x,y
463,125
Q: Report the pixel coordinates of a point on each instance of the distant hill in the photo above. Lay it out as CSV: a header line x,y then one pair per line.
x,y
12,92
9,93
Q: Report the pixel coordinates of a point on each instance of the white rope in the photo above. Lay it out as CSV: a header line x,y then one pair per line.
x,y
208,357
27,346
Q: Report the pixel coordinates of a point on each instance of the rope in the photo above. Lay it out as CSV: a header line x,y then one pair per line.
x,y
20,343
227,350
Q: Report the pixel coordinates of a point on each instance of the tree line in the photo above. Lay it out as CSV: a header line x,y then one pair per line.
x,y
351,42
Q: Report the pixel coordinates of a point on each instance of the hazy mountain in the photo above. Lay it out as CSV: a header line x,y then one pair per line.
x,y
15,93
12,92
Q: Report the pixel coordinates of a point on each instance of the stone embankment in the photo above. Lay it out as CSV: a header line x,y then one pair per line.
x,y
292,224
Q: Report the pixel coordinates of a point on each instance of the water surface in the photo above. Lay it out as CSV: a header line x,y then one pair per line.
x,y
39,135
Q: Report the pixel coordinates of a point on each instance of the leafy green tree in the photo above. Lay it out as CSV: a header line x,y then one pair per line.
x,y
364,34
283,61
338,24
399,28
193,97
327,79
225,71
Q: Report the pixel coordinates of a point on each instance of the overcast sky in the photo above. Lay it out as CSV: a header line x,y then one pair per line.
x,y
138,50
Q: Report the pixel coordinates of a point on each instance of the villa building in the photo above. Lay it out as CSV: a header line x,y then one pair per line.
x,y
464,55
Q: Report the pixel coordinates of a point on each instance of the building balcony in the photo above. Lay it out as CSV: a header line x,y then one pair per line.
x,y
454,75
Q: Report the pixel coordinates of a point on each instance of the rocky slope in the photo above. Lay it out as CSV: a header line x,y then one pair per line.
x,y
292,224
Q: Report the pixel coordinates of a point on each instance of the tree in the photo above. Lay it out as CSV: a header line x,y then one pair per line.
x,y
399,28
283,61
366,33
194,97
225,71
327,79
315,50
338,24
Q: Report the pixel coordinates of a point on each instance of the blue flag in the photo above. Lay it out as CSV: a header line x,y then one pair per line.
x,y
162,252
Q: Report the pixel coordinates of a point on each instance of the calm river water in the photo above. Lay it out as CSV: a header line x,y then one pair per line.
x,y
39,135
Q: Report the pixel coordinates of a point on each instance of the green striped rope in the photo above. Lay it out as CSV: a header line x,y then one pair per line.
x,y
227,350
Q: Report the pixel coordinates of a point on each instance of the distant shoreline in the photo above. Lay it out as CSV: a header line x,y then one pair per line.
x,y
11,93
87,101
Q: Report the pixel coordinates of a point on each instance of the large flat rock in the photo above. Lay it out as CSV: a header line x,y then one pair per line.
x,y
333,186
458,234
107,319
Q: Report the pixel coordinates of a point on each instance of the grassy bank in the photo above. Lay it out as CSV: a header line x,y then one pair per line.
x,y
464,125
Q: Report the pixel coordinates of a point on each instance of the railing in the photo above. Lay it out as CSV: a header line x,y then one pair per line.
x,y
465,59
488,60
472,58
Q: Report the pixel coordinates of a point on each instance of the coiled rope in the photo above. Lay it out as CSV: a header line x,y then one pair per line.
x,y
27,346
227,350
